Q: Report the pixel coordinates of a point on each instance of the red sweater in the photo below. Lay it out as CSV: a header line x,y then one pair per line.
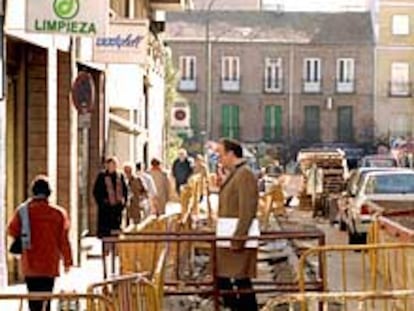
x,y
49,226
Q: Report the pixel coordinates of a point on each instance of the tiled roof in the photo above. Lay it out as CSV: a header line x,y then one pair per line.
x,y
282,27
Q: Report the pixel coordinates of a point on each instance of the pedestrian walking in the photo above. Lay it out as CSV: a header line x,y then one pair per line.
x,y
162,184
182,170
238,200
151,203
138,194
43,229
111,195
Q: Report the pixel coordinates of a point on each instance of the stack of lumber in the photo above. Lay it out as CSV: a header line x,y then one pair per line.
x,y
333,163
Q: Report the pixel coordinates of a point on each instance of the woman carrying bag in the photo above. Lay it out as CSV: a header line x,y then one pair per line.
x,y
44,242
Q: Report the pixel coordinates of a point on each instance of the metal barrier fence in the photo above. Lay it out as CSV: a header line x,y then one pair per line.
x,y
209,286
374,274
63,301
135,292
362,301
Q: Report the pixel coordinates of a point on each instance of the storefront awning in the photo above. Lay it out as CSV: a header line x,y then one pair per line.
x,y
125,126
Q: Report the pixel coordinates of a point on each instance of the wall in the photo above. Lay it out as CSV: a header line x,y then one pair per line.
x,y
252,100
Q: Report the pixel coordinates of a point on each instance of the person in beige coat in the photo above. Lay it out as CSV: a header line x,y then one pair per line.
x,y
162,184
238,198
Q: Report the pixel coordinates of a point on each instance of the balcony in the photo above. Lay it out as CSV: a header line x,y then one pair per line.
x,y
312,87
170,5
187,85
230,131
272,89
345,87
230,85
272,134
400,89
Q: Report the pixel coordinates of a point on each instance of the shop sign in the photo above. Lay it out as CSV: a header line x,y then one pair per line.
x,y
125,42
67,17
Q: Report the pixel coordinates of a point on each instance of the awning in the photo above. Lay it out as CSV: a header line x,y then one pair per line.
x,y
122,125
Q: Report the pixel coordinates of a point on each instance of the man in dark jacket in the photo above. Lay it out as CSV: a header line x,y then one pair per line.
x,y
182,170
111,195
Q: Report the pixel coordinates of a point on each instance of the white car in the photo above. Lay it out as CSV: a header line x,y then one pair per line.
x,y
382,187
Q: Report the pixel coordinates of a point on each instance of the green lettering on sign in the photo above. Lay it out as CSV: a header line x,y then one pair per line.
x,y
60,26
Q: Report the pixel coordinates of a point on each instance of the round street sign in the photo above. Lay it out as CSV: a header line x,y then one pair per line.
x,y
180,114
83,92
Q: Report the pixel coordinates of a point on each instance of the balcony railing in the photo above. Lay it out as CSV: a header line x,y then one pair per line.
x,y
312,87
400,89
230,131
345,86
272,134
230,85
272,89
187,85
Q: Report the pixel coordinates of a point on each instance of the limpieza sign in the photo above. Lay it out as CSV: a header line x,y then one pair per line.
x,y
126,42
70,17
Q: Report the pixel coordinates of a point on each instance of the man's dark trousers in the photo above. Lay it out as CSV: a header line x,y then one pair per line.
x,y
238,302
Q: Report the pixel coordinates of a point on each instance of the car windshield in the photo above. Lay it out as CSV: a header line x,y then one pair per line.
x,y
391,183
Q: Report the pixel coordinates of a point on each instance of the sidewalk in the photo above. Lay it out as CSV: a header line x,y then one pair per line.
x,y
91,269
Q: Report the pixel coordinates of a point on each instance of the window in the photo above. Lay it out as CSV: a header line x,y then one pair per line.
x,y
400,25
345,75
230,74
312,70
312,75
230,121
400,79
230,68
188,73
188,68
273,123
273,75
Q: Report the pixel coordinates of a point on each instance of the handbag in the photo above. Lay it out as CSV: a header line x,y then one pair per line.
x,y
16,247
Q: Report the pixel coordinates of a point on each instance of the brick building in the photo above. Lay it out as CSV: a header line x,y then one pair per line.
x,y
276,77
394,25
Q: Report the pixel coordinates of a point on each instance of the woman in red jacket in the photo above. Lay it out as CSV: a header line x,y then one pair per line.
x,y
48,241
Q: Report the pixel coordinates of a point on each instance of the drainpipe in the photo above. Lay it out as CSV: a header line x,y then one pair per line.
x,y
75,208
291,94
3,251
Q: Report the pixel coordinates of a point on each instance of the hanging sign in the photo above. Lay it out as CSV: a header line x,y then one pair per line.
x,y
67,17
125,42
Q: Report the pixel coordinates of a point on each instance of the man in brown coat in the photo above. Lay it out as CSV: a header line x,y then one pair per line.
x,y
238,199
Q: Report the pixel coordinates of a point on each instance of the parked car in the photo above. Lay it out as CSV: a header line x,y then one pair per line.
x,y
376,191
379,160
354,181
